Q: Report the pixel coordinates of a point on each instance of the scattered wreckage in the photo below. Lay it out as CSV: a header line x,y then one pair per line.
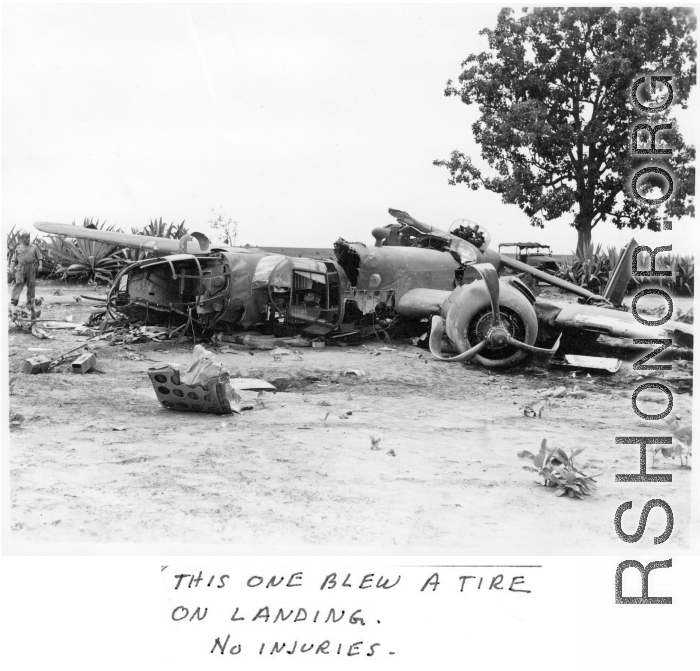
x,y
203,387
414,274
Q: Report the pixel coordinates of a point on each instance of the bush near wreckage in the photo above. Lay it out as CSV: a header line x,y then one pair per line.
x,y
559,471
588,267
84,259
591,268
157,228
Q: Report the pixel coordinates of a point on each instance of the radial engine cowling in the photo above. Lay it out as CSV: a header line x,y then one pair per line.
x,y
490,321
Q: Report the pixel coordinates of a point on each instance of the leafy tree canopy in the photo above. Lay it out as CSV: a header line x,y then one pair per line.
x,y
556,115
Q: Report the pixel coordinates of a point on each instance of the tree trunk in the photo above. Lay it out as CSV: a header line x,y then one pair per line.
x,y
584,230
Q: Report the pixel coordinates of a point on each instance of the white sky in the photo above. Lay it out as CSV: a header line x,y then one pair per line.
x,y
303,122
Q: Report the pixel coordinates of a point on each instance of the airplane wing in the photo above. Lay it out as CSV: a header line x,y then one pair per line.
x,y
194,243
614,323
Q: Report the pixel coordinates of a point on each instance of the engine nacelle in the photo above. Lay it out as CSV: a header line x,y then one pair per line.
x,y
468,318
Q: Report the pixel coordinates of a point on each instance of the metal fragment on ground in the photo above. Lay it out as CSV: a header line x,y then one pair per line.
x,y
250,384
589,363
534,410
173,394
35,365
84,363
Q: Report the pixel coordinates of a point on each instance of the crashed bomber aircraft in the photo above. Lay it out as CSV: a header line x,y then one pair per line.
x,y
414,272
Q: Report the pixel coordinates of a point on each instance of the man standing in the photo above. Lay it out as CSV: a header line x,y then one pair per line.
x,y
24,264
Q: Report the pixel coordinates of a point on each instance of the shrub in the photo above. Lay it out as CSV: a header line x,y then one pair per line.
x,y
84,259
591,268
558,470
157,228
588,268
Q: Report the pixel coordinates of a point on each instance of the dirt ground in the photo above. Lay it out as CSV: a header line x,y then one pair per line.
x,y
97,459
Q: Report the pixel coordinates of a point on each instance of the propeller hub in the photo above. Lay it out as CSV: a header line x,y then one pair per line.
x,y
497,336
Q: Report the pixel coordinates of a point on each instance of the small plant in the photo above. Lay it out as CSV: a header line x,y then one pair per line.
x,y
375,443
559,471
224,226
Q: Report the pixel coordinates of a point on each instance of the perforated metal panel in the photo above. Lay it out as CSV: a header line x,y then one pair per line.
x,y
175,395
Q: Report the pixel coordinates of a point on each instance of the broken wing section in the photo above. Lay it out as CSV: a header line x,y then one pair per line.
x,y
574,317
193,243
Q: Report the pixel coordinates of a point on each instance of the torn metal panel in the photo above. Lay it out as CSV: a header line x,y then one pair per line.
x,y
547,312
371,301
245,306
274,270
310,265
175,395
250,384
418,234
589,363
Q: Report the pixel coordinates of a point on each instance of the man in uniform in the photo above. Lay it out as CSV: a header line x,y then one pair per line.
x,y
24,264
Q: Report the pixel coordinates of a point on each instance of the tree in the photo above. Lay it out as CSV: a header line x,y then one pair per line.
x,y
556,115
224,226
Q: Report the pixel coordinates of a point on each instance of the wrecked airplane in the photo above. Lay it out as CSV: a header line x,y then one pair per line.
x,y
414,273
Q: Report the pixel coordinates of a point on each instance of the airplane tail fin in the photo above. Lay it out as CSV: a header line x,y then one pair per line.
x,y
621,275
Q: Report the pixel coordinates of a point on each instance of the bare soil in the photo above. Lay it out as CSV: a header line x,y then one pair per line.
x,y
298,474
